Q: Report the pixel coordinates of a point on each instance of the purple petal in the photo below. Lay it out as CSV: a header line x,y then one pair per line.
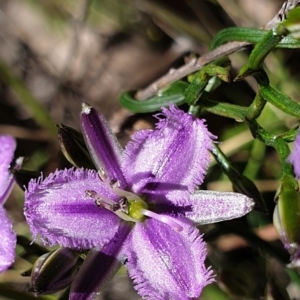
x,y
166,264
99,267
8,241
212,206
294,157
173,157
102,144
58,209
7,149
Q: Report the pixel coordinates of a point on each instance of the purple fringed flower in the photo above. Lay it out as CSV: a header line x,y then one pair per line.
x,y
8,237
139,208
294,157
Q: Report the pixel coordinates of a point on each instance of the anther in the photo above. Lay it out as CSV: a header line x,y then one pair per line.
x,y
101,203
99,200
91,193
123,203
117,208
114,184
102,175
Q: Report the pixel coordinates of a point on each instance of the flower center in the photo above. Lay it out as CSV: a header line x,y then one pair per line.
x,y
130,207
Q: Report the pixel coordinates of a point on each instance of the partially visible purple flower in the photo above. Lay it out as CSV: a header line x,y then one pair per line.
x,y
8,237
294,157
140,207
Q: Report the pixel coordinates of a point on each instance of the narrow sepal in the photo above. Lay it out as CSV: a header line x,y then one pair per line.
x,y
102,144
161,270
58,209
213,206
100,266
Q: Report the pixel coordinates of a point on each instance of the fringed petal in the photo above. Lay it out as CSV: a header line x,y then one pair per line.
x,y
102,144
99,267
7,149
212,206
57,209
173,157
166,264
8,241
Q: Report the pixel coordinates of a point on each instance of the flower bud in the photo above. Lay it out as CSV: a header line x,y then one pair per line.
x,y
286,217
53,271
73,147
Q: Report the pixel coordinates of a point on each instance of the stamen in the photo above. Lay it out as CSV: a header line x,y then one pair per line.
x,y
93,194
102,175
123,203
114,184
117,208
162,218
130,196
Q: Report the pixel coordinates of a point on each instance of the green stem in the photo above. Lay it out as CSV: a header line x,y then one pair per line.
x,y
221,158
263,48
251,35
173,94
274,141
256,107
280,100
223,109
240,183
290,135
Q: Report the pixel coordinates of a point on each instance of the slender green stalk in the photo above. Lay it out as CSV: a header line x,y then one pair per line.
x,y
223,109
251,35
173,94
281,101
269,41
274,141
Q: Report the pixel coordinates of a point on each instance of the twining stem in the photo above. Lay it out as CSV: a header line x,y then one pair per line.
x,y
195,65
274,141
